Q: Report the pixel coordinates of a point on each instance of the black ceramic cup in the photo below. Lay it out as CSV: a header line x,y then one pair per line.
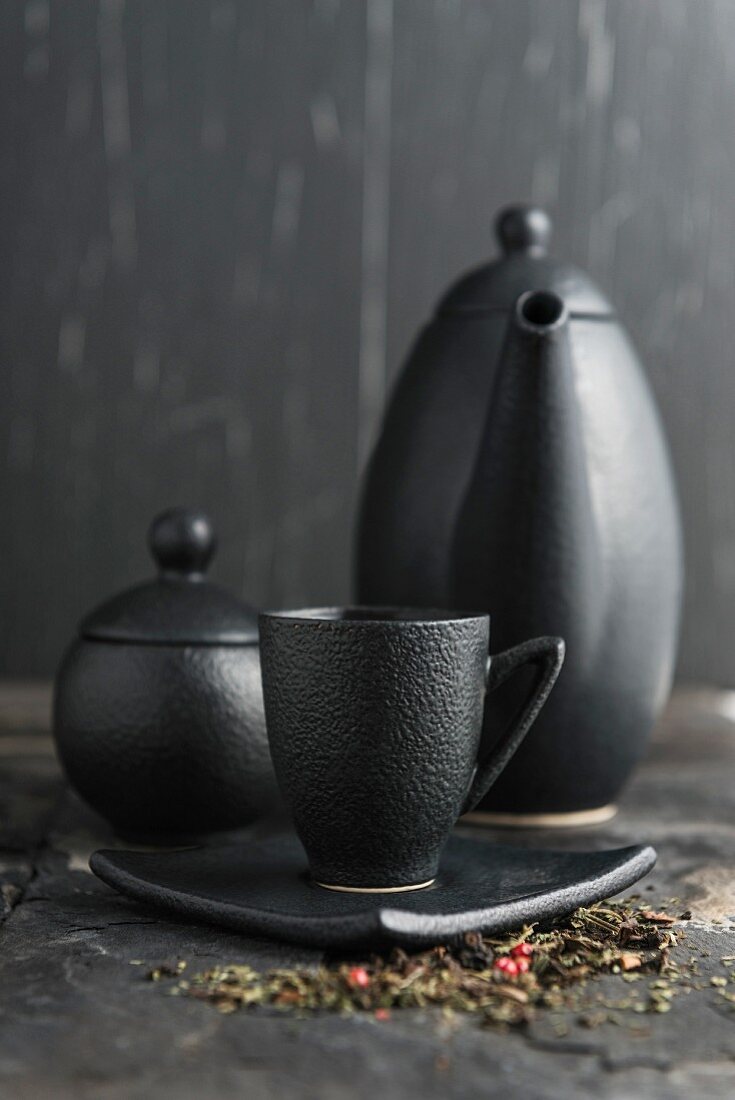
x,y
374,718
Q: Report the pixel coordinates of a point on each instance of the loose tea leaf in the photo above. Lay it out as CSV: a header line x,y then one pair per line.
x,y
165,970
505,980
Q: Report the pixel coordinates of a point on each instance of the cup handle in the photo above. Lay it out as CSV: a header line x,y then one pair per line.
x,y
547,655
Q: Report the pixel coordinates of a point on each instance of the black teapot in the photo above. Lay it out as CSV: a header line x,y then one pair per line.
x,y
158,708
522,470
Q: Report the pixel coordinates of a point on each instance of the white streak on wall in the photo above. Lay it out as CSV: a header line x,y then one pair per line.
x,y
223,23
538,57
116,129
546,177
324,120
375,222
36,21
627,136
287,204
72,333
36,17
600,51
114,80
605,223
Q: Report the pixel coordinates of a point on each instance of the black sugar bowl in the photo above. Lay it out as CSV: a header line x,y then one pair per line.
x,y
158,706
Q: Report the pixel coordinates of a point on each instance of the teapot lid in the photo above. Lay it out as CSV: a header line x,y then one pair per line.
x,y
179,607
524,233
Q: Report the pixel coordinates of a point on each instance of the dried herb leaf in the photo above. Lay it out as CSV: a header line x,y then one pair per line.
x,y
505,980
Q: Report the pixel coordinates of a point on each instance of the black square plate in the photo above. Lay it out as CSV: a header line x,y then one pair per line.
x,y
262,889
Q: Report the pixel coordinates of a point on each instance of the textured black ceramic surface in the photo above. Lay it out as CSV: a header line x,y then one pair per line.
x,y
374,721
264,890
525,472
164,733
180,606
165,739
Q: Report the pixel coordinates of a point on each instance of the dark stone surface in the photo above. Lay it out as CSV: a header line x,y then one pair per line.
x,y
78,1018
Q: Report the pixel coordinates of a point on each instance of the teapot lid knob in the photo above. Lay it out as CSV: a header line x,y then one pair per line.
x,y
182,541
524,229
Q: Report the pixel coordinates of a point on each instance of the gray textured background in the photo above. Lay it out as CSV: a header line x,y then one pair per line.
x,y
221,224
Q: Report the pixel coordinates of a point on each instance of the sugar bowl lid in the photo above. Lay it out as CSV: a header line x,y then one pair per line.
x,y
524,235
179,607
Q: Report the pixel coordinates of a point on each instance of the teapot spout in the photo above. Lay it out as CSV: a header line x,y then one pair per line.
x,y
541,313
527,544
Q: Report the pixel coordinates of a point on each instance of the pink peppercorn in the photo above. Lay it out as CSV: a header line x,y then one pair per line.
x,y
359,976
507,965
522,950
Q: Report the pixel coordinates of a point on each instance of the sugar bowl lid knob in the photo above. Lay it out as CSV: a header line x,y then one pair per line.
x,y
524,229
182,542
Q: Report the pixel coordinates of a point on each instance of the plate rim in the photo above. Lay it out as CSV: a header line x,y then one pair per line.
x,y
392,921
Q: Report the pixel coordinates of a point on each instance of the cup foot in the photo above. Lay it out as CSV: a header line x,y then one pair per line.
x,y
574,819
375,889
